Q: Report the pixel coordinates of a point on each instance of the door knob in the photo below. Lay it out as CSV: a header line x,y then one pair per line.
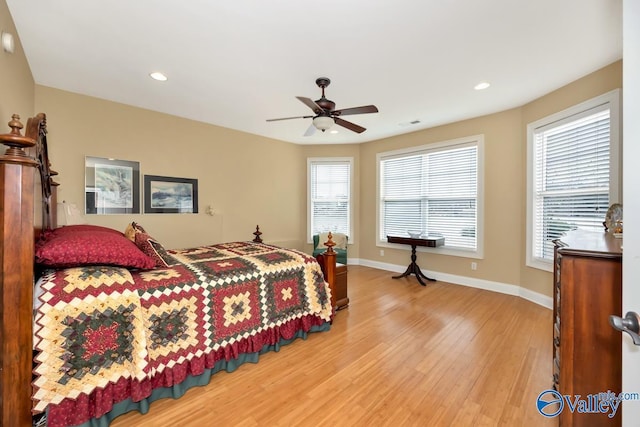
x,y
629,324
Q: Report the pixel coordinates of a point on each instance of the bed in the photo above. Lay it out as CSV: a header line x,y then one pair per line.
x,y
118,320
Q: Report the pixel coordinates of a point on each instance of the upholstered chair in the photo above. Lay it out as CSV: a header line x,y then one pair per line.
x,y
340,248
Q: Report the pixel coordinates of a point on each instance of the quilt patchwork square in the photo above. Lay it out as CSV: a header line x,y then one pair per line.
x,y
235,311
275,260
95,341
88,343
176,327
284,295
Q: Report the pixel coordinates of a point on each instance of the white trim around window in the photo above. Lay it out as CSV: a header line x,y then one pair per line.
x,y
330,190
573,173
439,188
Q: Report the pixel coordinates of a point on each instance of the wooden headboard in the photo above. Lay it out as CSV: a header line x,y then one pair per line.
x,y
37,129
18,169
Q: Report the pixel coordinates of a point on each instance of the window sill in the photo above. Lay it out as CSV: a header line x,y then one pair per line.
x,y
442,250
541,265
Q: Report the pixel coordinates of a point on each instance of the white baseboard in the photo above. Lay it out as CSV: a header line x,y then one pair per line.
x,y
488,285
537,298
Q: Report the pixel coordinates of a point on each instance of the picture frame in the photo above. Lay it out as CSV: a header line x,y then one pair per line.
x,y
111,186
165,194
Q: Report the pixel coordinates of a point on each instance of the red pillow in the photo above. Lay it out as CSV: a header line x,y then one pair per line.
x,y
46,234
89,245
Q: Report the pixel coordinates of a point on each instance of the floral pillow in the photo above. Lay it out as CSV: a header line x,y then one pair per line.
x,y
80,245
155,250
149,245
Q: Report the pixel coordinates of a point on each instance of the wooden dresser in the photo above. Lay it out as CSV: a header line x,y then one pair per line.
x,y
587,351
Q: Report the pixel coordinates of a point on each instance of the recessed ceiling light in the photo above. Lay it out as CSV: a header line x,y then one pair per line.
x,y
158,76
482,85
333,131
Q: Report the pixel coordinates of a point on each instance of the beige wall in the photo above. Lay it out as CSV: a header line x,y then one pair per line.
x,y
16,81
247,179
503,181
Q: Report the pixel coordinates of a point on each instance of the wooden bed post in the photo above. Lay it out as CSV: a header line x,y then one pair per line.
x,y
17,179
257,233
328,262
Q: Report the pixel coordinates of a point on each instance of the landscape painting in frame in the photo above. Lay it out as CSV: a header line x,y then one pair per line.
x,y
111,186
164,194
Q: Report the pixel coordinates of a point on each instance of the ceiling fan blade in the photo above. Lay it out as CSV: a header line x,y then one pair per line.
x,y
287,118
311,104
351,126
356,110
310,131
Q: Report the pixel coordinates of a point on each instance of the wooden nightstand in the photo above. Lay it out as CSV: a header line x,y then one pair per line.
x,y
342,300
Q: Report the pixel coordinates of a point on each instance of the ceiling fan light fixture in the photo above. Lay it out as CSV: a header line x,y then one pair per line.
x,y
325,114
323,122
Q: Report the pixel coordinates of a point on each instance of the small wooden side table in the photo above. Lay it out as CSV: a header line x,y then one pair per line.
x,y
413,268
342,299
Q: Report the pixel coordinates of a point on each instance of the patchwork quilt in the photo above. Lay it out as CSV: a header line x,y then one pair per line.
x,y
105,334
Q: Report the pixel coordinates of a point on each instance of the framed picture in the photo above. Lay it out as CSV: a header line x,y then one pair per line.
x,y
111,186
164,194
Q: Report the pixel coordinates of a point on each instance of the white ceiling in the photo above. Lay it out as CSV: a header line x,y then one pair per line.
x,y
237,63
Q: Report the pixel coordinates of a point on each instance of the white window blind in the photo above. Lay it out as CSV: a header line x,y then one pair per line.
x,y
572,168
434,191
330,196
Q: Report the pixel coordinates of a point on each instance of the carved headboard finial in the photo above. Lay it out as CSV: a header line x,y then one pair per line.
x,y
15,124
257,233
16,142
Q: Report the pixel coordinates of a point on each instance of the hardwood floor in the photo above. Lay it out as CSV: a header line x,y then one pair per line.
x,y
401,354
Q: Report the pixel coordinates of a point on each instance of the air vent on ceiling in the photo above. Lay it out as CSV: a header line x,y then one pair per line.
x,y
411,123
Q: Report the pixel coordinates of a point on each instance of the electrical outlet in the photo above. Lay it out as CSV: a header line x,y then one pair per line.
x,y
474,266
381,252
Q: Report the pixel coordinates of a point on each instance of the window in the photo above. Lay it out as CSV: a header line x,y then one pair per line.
x,y
434,189
329,196
573,174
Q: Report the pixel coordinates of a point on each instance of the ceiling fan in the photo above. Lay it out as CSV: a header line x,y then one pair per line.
x,y
325,114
